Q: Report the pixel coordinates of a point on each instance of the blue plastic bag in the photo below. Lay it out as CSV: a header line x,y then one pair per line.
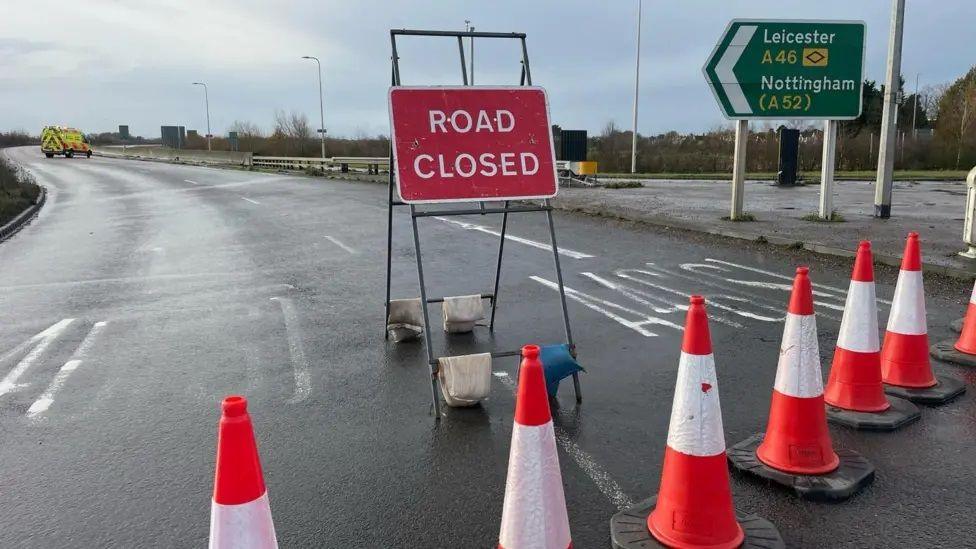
x,y
557,364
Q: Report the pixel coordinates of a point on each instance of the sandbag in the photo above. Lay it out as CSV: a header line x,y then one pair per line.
x,y
464,379
406,320
462,312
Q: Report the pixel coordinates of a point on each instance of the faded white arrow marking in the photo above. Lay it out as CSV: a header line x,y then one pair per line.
x,y
47,398
296,349
723,69
43,340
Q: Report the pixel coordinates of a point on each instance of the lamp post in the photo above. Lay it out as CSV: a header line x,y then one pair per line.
x,y
633,145
206,100
469,28
321,104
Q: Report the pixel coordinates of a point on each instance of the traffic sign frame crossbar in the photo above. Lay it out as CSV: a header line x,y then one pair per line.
x,y
506,209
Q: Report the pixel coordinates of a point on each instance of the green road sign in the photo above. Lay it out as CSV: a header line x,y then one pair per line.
x,y
788,69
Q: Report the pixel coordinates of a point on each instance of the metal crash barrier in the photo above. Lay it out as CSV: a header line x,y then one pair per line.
x,y
370,163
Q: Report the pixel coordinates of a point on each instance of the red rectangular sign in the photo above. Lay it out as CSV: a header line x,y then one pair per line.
x,y
463,144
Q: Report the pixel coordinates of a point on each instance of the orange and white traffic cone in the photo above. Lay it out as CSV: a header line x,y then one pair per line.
x,y
240,516
796,450
967,337
963,350
854,395
693,508
534,512
905,366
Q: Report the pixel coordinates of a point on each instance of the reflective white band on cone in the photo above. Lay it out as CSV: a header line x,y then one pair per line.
x,y
244,526
696,414
798,372
534,511
859,325
908,306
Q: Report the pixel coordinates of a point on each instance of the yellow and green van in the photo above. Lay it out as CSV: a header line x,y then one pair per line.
x,y
64,141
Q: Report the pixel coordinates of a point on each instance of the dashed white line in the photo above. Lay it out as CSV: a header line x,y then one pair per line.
x,y
293,330
251,201
541,245
340,244
43,340
600,477
44,401
191,181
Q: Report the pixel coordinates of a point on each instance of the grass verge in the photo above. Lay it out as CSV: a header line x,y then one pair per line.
x,y
17,190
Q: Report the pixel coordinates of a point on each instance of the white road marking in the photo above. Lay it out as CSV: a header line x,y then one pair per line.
x,y
303,378
841,291
600,477
42,340
44,401
639,295
340,244
191,181
603,307
541,245
251,201
713,301
701,269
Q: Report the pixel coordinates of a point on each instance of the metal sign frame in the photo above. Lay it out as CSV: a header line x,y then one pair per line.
x,y
505,209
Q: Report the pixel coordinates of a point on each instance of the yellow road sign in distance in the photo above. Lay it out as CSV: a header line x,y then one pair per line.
x,y
815,57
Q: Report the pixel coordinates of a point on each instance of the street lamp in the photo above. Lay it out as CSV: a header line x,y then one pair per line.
x,y
321,104
469,28
206,100
633,145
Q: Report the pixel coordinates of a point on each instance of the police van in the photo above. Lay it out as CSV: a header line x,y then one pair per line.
x,y
64,141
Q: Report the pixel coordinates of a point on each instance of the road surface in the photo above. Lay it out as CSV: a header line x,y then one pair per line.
x,y
145,292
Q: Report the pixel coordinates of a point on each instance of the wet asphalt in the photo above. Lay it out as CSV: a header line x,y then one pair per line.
x,y
212,282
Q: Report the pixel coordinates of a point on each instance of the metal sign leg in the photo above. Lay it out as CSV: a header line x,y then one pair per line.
x,y
562,295
498,269
431,363
389,256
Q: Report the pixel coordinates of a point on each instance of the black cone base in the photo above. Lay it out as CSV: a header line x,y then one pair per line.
x,y
946,351
852,474
945,389
901,413
628,529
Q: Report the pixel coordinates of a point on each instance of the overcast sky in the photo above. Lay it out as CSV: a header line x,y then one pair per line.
x,y
102,63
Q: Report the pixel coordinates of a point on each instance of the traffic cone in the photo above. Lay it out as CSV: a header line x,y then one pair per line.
x,y
796,450
534,512
694,504
905,366
693,508
963,350
854,393
967,337
240,516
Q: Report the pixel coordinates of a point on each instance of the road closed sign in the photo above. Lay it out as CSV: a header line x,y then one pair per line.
x,y
463,144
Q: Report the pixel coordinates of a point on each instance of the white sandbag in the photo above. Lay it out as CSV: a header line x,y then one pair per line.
x,y
462,312
464,379
406,319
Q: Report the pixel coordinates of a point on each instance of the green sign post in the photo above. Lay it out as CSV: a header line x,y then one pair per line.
x,y
788,69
